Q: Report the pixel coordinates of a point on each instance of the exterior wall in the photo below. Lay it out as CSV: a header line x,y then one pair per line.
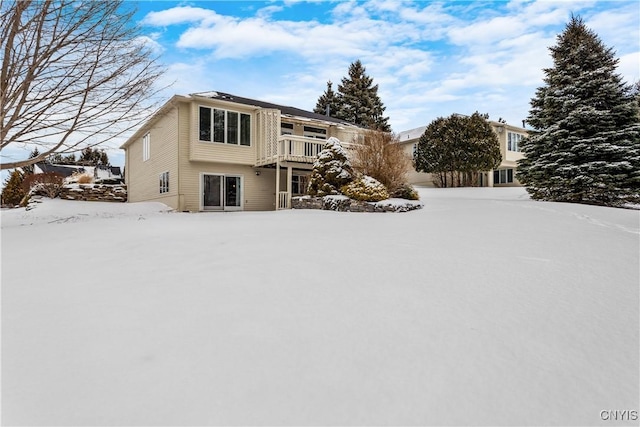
x,y
258,191
413,177
143,177
205,151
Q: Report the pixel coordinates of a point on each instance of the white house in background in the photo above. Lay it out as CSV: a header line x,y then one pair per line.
x,y
216,151
509,138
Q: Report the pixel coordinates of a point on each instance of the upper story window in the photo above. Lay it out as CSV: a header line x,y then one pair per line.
x,y
314,132
223,126
286,128
513,141
146,147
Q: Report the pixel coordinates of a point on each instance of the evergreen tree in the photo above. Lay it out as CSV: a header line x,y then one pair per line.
x,y
28,170
456,148
13,191
359,100
585,142
93,157
328,99
331,170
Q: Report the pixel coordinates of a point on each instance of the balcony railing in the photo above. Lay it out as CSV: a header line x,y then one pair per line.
x,y
292,148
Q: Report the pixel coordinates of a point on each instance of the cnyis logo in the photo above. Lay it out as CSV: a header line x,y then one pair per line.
x,y
617,415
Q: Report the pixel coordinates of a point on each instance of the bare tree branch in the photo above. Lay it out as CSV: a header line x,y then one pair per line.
x,y
73,74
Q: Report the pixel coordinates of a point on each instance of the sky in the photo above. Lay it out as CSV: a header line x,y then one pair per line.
x,y
429,59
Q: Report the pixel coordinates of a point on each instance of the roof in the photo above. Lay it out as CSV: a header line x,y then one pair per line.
x,y
411,134
284,109
66,170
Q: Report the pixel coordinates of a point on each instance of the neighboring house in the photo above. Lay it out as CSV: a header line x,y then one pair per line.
x,y
509,138
107,175
69,173
63,170
216,151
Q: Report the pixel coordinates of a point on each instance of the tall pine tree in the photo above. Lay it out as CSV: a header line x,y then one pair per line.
x,y
585,142
328,103
359,100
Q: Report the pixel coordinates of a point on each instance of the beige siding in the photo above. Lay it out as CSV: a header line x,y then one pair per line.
x,y
143,177
416,178
259,191
203,151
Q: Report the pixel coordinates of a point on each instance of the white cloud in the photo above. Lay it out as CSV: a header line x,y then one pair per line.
x,y
179,15
429,59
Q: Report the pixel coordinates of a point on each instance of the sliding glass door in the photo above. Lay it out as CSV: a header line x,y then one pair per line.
x,y
221,192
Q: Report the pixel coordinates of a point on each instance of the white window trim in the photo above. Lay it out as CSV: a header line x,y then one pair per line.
x,y
146,147
226,121
164,185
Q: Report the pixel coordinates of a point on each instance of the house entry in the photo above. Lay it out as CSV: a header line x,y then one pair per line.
x,y
221,192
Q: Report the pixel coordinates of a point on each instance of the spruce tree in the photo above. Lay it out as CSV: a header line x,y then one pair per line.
x,y
13,190
329,102
585,142
331,170
360,103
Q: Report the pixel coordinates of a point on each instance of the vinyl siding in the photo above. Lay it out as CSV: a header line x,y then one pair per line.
x,y
203,151
259,191
143,177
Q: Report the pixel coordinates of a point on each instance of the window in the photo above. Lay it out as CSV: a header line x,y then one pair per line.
x,y
298,184
146,147
513,141
225,127
415,150
286,128
503,176
314,132
164,182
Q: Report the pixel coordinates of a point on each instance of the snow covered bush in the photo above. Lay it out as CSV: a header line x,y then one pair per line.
x,y
45,184
406,191
331,170
366,189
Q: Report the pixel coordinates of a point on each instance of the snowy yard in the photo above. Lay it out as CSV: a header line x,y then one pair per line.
x,y
483,308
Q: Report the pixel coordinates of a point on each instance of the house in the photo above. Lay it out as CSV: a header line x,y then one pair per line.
x,y
101,174
65,171
509,138
215,151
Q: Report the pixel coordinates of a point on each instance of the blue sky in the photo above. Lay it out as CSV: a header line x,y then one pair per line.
x,y
430,59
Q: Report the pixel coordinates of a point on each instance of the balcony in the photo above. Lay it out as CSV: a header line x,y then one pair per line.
x,y
292,148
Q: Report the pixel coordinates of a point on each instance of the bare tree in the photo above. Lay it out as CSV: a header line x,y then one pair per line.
x,y
381,157
74,74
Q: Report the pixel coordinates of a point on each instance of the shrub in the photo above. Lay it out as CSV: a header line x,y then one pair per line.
x,y
381,157
406,191
331,170
13,191
84,178
365,188
47,184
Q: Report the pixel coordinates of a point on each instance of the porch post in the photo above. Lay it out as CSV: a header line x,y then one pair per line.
x,y
277,184
490,178
289,184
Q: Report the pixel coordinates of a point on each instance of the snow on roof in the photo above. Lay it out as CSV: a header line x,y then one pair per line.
x,y
411,134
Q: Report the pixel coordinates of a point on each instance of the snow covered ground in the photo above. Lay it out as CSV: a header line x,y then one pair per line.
x,y
482,308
